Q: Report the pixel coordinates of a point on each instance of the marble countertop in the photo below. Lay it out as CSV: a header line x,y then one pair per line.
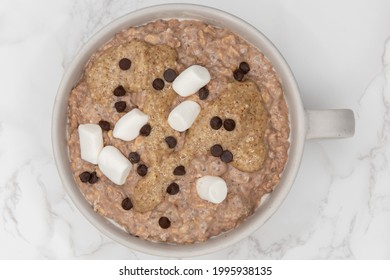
x,y
339,206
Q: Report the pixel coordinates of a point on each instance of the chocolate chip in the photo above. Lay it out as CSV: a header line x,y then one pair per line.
x,y
142,170
105,125
227,156
203,93
125,64
127,204
119,91
173,189
244,67
120,106
229,124
216,150
238,75
170,75
164,222
145,130
216,123
134,157
94,178
179,170
171,142
85,176
158,84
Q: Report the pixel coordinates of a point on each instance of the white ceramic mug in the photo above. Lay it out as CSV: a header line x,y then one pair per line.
x,y
304,124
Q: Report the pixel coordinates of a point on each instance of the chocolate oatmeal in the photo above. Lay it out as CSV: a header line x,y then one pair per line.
x,y
169,165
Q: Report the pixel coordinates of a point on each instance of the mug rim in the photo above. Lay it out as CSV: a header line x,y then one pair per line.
x,y
296,117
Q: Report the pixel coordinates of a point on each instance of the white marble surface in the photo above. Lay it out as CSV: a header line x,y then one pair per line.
x,y
339,207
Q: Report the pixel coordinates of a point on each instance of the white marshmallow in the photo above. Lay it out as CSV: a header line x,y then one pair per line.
x,y
183,115
128,126
191,80
91,142
211,188
114,165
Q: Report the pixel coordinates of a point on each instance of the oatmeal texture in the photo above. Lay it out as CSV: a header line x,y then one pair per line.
x,y
259,141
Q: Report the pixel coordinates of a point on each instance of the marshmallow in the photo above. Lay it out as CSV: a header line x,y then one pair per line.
x,y
183,115
128,126
191,80
114,165
91,142
211,188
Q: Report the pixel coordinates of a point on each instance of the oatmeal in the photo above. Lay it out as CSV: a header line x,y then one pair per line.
x,y
176,165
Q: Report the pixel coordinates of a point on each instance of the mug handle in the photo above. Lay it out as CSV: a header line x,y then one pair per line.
x,y
326,124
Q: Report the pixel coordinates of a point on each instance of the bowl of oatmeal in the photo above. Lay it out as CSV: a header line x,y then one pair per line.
x,y
178,130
